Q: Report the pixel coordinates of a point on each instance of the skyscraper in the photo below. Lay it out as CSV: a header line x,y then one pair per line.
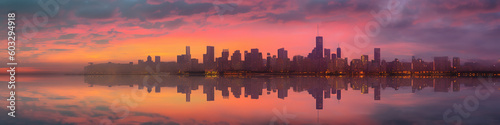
x,y
236,63
253,60
442,64
223,62
327,54
208,58
184,60
149,59
188,53
282,62
157,59
456,63
364,62
282,53
319,47
225,54
364,59
339,52
376,56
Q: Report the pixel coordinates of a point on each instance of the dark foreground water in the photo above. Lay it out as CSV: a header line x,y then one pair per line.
x,y
129,99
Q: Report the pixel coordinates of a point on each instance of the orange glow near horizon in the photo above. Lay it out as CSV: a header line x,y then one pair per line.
x,y
122,38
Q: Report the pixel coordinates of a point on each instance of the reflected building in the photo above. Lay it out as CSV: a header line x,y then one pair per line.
x,y
319,88
157,89
376,93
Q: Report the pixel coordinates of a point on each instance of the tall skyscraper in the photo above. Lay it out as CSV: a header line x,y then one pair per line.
x,y
319,47
376,56
339,52
208,58
188,53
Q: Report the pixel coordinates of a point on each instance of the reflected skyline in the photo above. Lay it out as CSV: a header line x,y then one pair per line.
x,y
320,88
212,100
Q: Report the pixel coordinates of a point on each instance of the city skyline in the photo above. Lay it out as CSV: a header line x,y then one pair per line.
x,y
119,31
255,62
319,60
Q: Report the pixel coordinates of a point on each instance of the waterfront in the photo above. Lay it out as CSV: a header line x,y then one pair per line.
x,y
165,99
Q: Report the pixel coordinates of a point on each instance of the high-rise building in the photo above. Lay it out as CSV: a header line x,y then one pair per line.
x,y
282,53
319,47
253,60
236,63
442,64
184,60
327,54
223,62
456,64
268,62
208,58
282,62
364,62
225,53
157,59
188,53
364,59
395,66
356,66
339,52
316,61
149,59
376,56
298,63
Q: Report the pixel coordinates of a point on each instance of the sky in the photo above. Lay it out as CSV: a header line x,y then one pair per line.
x,y
123,31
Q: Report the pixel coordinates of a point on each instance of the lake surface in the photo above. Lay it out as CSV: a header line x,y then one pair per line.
x,y
164,99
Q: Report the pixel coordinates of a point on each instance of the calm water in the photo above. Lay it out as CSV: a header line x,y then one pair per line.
x,y
174,100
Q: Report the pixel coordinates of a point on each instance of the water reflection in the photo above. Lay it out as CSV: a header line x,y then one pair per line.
x,y
246,100
319,88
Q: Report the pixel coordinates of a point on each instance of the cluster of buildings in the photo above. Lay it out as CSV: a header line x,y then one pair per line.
x,y
320,61
142,67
